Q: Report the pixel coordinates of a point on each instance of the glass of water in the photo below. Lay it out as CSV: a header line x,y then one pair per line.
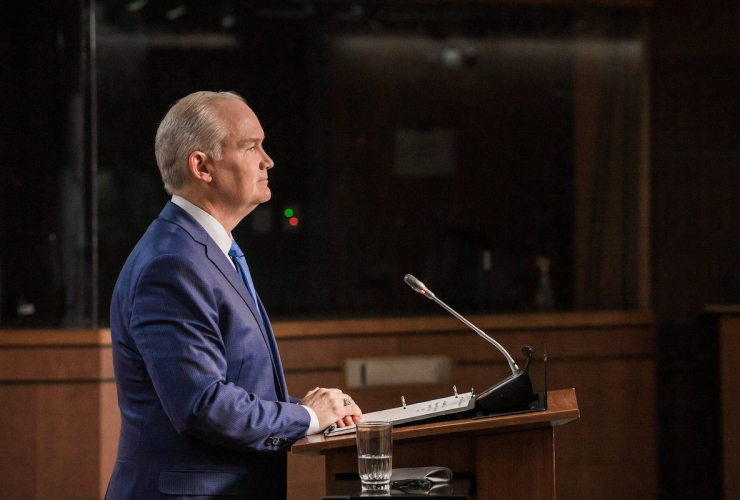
x,y
374,454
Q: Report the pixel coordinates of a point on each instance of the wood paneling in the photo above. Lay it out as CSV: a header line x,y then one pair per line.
x,y
59,422
36,338
18,441
522,465
499,322
50,435
110,426
305,476
51,363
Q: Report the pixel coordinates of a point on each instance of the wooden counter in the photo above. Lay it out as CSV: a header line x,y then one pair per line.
x,y
59,424
59,420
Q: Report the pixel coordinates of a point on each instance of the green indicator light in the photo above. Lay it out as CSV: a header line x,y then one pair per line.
x,y
288,212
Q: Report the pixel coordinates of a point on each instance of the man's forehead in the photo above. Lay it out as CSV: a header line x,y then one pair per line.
x,y
241,121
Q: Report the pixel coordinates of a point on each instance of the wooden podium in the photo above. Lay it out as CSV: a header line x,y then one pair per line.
x,y
511,456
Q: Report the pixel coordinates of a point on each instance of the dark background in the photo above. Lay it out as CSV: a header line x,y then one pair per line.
x,y
330,119
332,83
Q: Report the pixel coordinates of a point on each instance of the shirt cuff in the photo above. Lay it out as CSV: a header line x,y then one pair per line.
x,y
313,427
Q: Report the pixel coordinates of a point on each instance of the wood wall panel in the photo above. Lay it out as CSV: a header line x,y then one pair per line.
x,y
499,451
18,442
330,352
613,393
300,383
110,425
306,476
67,430
59,424
50,363
105,360
49,436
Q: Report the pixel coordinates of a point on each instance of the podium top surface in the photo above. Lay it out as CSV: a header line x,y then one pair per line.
x,y
562,407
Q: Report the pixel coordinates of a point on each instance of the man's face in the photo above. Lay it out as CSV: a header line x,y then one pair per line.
x,y
240,176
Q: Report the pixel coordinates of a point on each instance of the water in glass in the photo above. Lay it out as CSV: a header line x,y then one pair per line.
x,y
374,454
375,469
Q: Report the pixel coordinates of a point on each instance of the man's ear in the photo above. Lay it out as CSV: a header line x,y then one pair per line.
x,y
200,166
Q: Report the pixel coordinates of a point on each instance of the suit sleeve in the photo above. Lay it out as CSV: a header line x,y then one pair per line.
x,y
174,322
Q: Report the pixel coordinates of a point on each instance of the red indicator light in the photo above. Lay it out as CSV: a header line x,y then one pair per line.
x,y
293,221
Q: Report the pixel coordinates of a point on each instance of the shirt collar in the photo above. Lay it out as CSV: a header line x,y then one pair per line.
x,y
213,227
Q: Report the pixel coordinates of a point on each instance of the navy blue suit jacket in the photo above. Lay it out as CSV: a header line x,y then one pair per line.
x,y
204,406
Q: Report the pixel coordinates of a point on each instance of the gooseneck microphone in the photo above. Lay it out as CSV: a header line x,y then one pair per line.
x,y
419,287
515,391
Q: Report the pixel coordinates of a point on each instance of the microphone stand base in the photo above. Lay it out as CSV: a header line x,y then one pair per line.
x,y
538,403
514,391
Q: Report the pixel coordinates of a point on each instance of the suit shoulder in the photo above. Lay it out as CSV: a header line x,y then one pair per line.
x,y
165,248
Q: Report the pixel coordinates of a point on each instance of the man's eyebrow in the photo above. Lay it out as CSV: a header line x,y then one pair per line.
x,y
250,140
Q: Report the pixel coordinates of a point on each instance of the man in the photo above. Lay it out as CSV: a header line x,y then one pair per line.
x,y
204,407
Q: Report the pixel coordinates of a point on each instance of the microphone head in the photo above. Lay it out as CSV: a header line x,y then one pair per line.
x,y
417,285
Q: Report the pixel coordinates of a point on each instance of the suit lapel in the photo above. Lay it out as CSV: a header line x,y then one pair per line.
x,y
218,258
280,376
177,215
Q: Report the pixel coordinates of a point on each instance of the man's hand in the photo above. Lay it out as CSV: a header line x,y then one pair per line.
x,y
329,406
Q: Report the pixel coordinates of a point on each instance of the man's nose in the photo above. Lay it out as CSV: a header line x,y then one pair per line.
x,y
267,161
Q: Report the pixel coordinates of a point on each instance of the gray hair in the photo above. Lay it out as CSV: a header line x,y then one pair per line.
x,y
190,125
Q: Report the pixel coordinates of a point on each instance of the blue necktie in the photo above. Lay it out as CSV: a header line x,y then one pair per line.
x,y
243,270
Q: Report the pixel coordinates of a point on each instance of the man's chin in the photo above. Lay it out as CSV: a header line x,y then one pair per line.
x,y
258,200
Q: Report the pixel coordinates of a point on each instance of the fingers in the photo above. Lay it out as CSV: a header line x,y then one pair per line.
x,y
312,391
348,420
312,396
351,408
354,415
332,406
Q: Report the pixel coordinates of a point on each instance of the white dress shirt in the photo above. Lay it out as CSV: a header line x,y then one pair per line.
x,y
223,239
